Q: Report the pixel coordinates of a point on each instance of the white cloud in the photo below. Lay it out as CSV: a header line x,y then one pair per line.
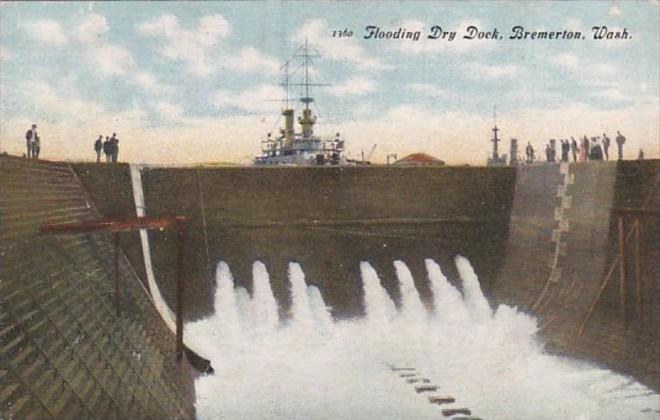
x,y
47,31
603,69
590,73
169,112
53,103
149,83
566,60
573,24
426,89
354,86
193,47
614,11
92,28
69,125
107,59
261,99
612,94
5,54
110,59
250,60
317,32
479,71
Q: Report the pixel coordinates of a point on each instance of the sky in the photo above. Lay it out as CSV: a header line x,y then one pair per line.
x,y
184,83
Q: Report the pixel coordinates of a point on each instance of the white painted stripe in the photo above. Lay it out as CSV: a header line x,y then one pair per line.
x,y
138,196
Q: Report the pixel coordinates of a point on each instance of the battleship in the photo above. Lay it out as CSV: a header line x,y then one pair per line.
x,y
303,147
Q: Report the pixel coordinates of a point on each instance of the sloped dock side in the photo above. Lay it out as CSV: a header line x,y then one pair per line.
x,y
563,264
65,352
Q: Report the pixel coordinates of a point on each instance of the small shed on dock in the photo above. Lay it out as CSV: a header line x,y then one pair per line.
x,y
419,159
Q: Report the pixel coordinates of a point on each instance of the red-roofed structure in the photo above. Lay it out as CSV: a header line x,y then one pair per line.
x,y
419,159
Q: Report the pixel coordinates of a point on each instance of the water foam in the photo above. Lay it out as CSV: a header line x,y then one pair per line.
x,y
314,367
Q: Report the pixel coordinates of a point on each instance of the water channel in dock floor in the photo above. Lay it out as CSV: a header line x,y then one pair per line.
x,y
313,367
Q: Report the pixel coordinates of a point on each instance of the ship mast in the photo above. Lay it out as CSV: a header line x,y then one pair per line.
x,y
307,120
495,139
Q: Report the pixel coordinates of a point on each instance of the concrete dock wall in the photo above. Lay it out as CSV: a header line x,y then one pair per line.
x,y
65,352
541,238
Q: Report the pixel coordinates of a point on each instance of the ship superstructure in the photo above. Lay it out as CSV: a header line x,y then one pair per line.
x,y
303,147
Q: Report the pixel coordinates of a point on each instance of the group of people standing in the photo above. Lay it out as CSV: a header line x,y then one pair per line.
x,y
109,147
582,150
33,143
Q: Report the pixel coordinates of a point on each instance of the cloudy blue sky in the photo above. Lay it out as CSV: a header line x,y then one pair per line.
x,y
198,81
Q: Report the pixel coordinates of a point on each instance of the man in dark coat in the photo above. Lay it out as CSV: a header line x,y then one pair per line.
x,y
98,148
606,146
30,139
107,149
115,147
620,140
529,152
574,148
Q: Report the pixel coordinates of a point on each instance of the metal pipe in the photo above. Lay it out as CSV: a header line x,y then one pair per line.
x,y
181,233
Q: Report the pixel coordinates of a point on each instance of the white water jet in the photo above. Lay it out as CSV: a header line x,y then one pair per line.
x,y
319,309
300,308
265,310
411,306
226,310
477,304
491,364
378,305
448,303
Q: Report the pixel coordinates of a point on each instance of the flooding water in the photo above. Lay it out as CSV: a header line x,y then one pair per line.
x,y
312,367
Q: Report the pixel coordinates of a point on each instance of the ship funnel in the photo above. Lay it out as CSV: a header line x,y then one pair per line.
x,y
288,126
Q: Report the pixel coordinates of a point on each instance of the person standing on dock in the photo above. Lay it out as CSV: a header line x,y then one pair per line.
x,y
30,139
584,149
98,148
36,147
115,147
574,148
606,146
620,140
529,153
565,149
107,149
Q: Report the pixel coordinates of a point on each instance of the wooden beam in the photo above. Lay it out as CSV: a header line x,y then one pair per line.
x,y
114,225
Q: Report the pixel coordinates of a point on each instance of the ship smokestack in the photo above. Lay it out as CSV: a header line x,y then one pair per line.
x,y
288,126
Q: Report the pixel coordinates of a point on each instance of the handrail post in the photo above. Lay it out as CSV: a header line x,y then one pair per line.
x,y
181,237
638,271
622,268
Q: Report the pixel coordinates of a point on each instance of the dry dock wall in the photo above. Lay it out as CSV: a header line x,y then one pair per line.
x,y
541,238
568,214
65,353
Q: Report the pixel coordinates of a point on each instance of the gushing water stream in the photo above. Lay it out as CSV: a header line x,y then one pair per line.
x,y
312,367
